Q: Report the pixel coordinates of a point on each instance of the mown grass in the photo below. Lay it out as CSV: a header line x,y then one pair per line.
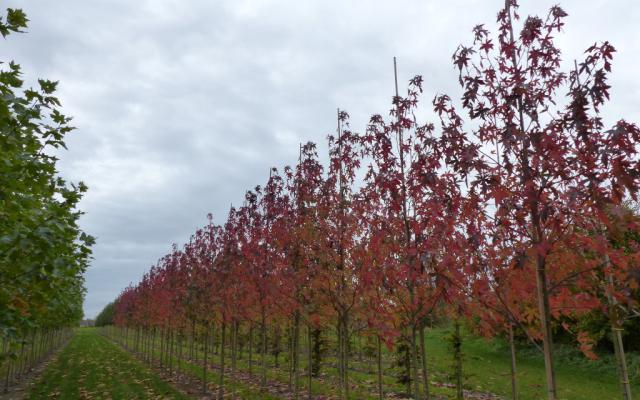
x,y
487,366
91,367
195,370
486,369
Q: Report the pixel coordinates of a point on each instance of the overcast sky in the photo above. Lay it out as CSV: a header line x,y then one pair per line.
x,y
182,105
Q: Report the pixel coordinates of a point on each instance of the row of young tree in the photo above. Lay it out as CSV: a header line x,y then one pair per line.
x,y
508,214
43,252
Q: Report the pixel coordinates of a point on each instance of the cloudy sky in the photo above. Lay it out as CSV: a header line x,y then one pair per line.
x,y
181,105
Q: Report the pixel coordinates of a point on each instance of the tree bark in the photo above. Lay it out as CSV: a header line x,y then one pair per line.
x,y
309,359
234,350
425,370
414,363
251,350
616,332
162,335
379,359
222,351
191,339
616,336
547,342
171,349
204,358
514,375
457,348
263,328
296,355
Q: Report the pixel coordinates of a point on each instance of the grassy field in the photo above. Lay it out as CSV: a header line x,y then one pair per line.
x,y
486,369
193,371
91,367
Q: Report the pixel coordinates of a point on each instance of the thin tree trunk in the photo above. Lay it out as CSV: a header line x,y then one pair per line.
x,y
291,356
153,344
296,355
179,358
171,350
618,345
616,333
340,360
309,359
21,369
32,361
251,350
263,328
345,368
213,340
514,371
425,369
457,346
162,333
192,338
547,342
234,349
222,343
379,359
7,375
204,358
414,363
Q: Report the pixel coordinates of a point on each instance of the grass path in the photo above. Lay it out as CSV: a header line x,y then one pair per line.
x,y
91,367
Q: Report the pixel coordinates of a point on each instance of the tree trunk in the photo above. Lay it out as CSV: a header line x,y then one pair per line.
x,y
250,350
213,342
7,375
345,368
263,328
162,333
204,358
276,347
296,355
615,320
340,360
171,349
234,349
414,363
33,350
21,369
222,343
616,333
379,359
514,375
457,353
192,338
425,370
291,356
309,359
153,346
547,342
